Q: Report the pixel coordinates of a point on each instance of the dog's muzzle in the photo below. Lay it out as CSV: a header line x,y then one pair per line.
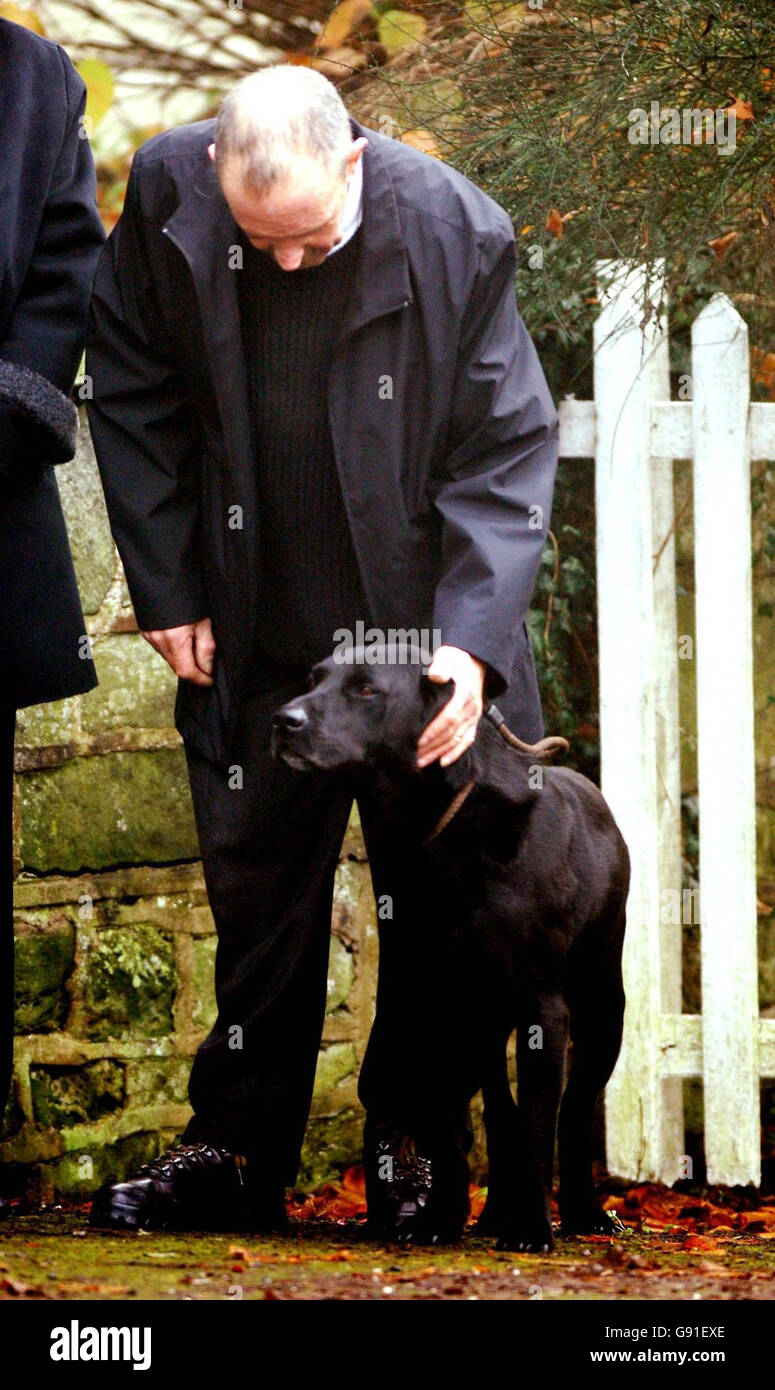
x,y
290,719
288,724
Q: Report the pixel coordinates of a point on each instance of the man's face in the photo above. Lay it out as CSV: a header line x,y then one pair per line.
x,y
297,222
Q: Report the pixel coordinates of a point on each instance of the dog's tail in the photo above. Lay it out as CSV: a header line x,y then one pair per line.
x,y
545,748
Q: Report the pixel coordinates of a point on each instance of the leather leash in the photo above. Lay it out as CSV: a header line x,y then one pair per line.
x,y
545,748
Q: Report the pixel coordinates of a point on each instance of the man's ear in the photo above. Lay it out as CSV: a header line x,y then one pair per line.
x,y
356,150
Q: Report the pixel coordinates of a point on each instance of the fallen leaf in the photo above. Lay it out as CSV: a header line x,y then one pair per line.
x,y
741,110
339,61
20,1290
342,21
421,140
719,245
554,223
74,1288
399,29
755,1222
763,364
238,1252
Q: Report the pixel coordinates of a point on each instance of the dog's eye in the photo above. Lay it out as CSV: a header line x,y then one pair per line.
x,y
366,690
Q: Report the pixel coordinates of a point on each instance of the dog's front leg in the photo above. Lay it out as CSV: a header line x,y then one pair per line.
x,y
542,1040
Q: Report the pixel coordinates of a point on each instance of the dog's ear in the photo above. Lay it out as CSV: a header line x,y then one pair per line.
x,y
435,695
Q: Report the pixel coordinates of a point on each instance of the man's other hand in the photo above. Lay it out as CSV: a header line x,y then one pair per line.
x,y
189,650
454,729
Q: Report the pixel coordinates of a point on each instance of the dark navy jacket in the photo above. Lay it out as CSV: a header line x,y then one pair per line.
x,y
50,239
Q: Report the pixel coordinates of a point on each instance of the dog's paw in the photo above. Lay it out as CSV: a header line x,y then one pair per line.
x,y
529,1238
588,1219
414,1226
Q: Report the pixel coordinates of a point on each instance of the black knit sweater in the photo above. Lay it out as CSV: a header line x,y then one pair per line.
x,y
309,583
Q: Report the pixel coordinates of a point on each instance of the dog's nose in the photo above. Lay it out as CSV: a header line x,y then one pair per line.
x,y
291,719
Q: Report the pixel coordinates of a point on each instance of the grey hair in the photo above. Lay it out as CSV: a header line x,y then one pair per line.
x,y
276,113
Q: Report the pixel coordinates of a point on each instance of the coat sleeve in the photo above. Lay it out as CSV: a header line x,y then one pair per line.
x,y
495,484
42,345
144,430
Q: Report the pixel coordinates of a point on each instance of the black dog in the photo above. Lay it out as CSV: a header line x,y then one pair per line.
x,y
534,877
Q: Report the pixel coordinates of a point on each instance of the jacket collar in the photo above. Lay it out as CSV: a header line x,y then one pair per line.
x,y
382,282
203,228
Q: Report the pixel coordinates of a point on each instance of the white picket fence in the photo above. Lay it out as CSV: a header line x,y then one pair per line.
x,y
634,431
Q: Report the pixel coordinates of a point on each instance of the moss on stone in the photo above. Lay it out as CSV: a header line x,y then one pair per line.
x,y
335,1062
136,687
78,1175
158,1080
44,959
130,983
349,883
38,725
123,808
13,1119
341,973
204,1009
71,1095
330,1146
88,527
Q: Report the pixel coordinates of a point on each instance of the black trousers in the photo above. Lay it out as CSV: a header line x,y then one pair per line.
x,y
270,843
7,731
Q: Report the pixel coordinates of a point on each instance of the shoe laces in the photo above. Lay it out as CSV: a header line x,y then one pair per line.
x,y
410,1170
180,1158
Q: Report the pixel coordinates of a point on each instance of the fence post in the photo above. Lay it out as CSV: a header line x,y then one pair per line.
x,y
725,757
627,736
668,756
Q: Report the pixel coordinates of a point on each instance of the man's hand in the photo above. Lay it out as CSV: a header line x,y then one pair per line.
x,y
454,729
189,650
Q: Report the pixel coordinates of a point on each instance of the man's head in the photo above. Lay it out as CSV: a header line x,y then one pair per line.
x,y
284,153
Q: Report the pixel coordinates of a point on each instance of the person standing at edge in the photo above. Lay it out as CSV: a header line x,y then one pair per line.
x,y
50,239
314,403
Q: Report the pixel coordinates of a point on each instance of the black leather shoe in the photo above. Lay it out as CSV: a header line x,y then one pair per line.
x,y
411,1198
191,1187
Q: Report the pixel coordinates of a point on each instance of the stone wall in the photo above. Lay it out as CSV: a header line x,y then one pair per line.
x,y
115,941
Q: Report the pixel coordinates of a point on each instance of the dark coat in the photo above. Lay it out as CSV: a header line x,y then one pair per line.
x,y
444,431
50,238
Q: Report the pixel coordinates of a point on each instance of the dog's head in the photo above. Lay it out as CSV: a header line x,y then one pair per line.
x,y
368,710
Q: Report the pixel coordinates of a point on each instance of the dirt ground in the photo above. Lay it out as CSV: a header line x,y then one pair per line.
x,y
674,1245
